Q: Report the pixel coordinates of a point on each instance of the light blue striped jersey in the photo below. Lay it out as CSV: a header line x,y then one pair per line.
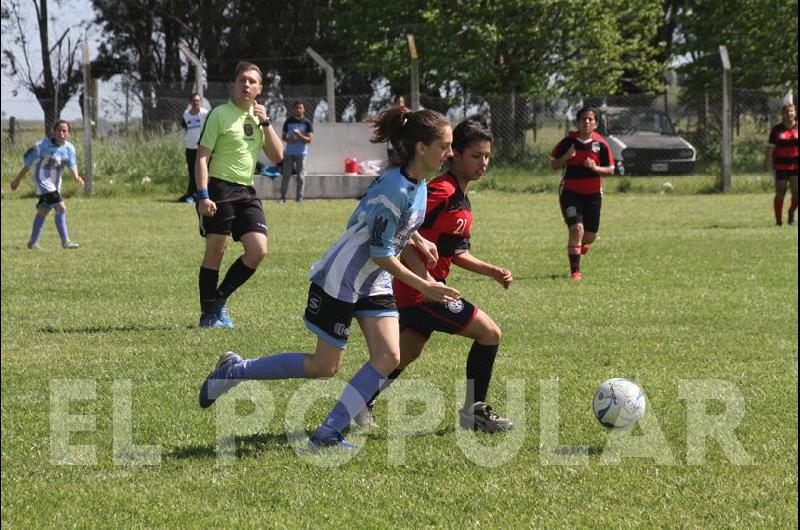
x,y
385,218
48,160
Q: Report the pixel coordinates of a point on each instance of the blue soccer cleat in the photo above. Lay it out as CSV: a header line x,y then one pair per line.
x,y
221,311
336,441
219,381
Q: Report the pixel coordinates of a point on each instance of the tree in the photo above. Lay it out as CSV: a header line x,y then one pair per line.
x,y
60,75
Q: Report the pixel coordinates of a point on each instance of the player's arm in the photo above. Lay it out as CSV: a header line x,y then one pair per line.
x,y
427,248
415,262
431,290
18,178
467,261
76,176
562,155
273,147
205,205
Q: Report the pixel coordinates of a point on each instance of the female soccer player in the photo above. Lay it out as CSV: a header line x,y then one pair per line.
x,y
447,223
353,278
233,135
782,157
584,156
50,156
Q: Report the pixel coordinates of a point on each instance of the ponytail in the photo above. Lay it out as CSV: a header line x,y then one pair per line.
x,y
403,128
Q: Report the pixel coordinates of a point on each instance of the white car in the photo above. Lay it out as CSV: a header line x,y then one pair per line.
x,y
643,141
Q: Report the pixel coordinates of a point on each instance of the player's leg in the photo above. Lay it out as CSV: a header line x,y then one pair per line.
x,y
571,211
216,243
61,225
793,204
781,185
301,177
287,169
476,414
38,225
250,227
382,334
591,221
191,188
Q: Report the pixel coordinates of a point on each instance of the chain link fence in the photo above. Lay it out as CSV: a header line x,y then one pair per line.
x,y
671,133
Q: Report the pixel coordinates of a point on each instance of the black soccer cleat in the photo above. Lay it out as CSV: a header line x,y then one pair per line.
x,y
480,417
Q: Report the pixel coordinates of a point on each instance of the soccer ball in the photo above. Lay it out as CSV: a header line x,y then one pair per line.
x,y
619,403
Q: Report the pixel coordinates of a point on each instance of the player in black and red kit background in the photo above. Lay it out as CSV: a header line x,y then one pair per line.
x,y
584,156
782,156
448,221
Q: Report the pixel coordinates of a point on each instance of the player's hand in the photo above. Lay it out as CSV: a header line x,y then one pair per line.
x,y
503,277
79,180
207,208
14,184
439,292
590,163
571,152
429,251
260,111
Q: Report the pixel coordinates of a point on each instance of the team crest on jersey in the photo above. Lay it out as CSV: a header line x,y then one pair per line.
x,y
248,129
314,303
455,306
595,147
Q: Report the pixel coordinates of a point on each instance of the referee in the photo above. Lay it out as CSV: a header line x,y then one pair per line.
x,y
227,204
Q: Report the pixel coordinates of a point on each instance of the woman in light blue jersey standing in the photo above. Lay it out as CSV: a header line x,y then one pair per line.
x,y
48,158
354,277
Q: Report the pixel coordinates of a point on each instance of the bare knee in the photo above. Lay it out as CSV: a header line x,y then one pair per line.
x,y
589,237
385,362
254,256
322,367
491,335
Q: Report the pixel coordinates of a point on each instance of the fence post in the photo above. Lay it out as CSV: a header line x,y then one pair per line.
x,y
330,84
198,69
12,129
727,139
87,120
412,50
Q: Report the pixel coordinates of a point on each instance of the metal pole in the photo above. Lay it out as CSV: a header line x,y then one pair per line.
x,y
412,51
727,138
87,120
330,83
198,68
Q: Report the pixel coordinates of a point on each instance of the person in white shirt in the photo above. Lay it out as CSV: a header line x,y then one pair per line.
x,y
192,121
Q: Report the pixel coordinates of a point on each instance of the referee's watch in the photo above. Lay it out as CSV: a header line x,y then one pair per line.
x,y
266,123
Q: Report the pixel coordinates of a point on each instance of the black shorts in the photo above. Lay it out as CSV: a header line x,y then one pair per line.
x,y
785,174
579,208
48,200
329,318
239,211
427,317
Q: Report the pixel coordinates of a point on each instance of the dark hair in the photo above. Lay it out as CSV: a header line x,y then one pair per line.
x,y
65,122
244,66
403,128
194,95
587,108
472,129
298,102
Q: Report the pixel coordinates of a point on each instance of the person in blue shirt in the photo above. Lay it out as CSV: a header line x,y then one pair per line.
x,y
297,133
48,158
354,277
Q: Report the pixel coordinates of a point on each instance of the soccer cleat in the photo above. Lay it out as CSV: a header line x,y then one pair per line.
x,y
221,311
33,246
584,249
69,245
210,321
218,382
365,418
481,418
791,219
189,199
337,441
576,276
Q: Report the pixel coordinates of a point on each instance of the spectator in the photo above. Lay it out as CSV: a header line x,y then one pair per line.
x,y
192,121
297,133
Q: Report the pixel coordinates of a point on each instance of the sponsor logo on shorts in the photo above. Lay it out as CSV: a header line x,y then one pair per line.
x,y
572,211
455,306
314,304
341,330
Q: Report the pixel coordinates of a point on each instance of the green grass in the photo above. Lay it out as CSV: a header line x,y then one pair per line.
x,y
679,287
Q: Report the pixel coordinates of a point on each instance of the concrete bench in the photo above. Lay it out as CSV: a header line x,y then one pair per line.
x,y
333,143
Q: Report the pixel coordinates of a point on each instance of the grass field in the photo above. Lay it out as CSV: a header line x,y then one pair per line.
x,y
679,288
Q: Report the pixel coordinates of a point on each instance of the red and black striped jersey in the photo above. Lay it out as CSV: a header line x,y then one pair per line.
x,y
577,177
784,155
448,219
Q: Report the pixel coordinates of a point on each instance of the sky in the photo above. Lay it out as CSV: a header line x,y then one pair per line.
x,y
71,14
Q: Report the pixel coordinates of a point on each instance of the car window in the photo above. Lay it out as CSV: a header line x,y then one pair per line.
x,y
633,121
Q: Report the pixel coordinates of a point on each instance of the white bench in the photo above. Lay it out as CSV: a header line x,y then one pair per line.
x,y
333,143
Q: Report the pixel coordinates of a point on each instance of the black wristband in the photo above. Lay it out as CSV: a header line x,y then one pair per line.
x,y
266,123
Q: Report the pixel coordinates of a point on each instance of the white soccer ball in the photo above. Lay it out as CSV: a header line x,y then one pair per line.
x,y
619,403
667,187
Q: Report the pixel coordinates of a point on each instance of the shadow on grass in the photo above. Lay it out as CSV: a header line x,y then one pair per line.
x,y
251,445
108,329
